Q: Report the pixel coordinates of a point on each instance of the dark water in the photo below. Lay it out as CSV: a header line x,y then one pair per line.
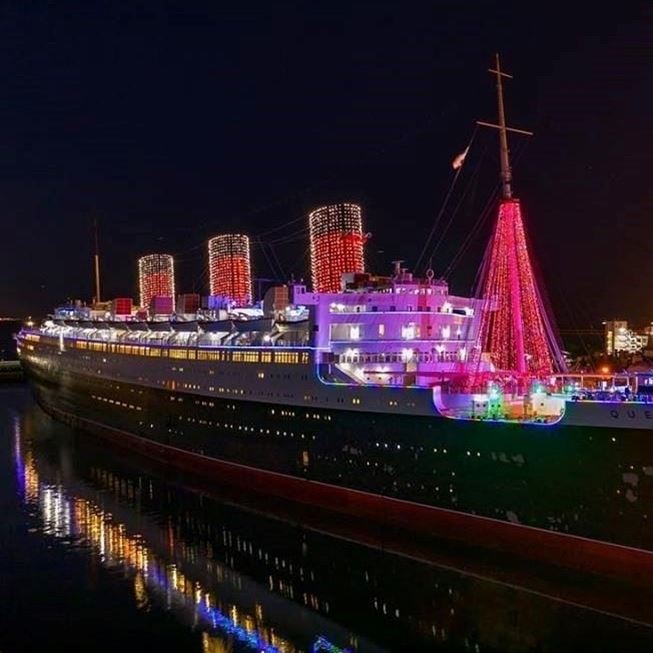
x,y
103,552
7,343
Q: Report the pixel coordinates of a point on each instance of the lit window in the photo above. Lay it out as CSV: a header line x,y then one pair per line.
x,y
408,332
381,329
355,332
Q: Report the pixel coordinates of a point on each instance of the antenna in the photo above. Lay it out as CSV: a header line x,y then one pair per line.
x,y
506,172
97,261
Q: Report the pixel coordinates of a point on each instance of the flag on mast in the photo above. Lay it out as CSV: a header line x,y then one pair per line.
x,y
460,159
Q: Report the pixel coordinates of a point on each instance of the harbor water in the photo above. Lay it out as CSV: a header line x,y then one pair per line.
x,y
101,550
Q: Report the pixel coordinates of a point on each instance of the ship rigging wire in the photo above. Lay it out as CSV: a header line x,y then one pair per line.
x,y
265,244
462,198
444,203
481,220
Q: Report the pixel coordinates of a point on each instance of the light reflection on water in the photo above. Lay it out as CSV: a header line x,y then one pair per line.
x,y
243,582
79,521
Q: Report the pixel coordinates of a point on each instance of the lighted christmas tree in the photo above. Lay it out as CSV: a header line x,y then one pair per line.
x,y
515,331
513,325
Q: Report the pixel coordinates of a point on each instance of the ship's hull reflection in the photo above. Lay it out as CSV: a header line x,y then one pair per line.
x,y
252,577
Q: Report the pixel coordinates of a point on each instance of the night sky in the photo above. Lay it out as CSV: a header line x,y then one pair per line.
x,y
172,122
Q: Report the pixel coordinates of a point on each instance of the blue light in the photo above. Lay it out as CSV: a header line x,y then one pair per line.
x,y
224,623
214,617
322,644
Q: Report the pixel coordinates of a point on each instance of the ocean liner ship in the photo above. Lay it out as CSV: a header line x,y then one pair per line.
x,y
389,398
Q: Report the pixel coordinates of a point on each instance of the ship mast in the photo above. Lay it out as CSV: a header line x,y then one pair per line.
x,y
506,194
506,173
512,293
504,152
97,262
515,330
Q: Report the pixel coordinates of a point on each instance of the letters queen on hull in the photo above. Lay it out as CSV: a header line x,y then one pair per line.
x,y
380,396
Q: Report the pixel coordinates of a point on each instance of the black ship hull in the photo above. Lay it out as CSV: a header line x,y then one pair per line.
x,y
235,552
579,496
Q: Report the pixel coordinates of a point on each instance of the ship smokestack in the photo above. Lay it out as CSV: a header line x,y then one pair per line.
x,y
337,240
230,272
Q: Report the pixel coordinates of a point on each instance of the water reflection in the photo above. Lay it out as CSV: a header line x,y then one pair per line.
x,y
249,582
77,519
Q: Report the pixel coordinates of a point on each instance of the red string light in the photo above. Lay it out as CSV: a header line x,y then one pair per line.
x,y
512,325
336,236
230,268
156,277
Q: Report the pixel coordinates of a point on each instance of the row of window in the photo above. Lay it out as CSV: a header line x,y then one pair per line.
x,y
173,384
408,331
408,308
242,427
292,413
224,355
439,356
285,413
115,402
